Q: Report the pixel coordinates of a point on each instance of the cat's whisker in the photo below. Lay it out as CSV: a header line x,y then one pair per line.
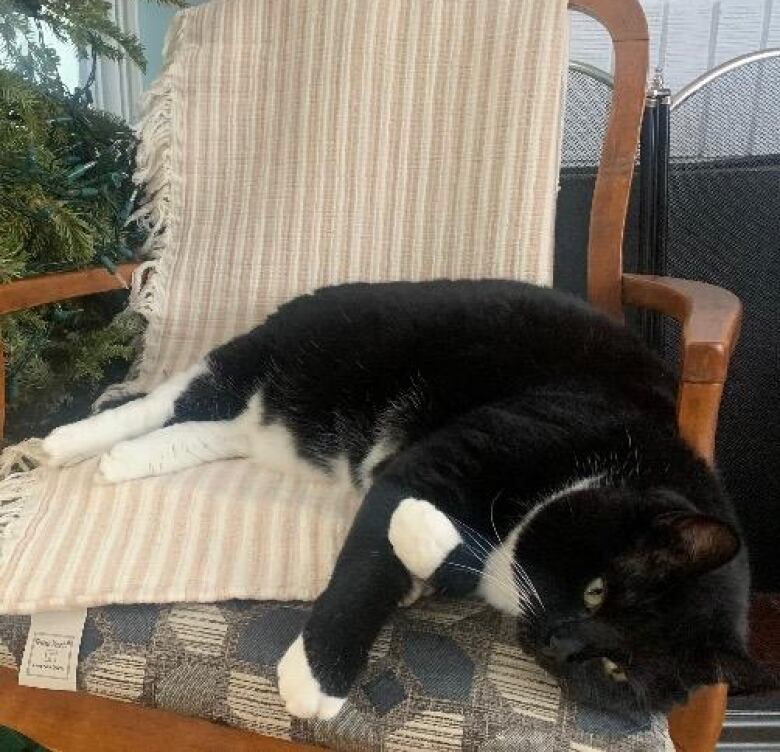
x,y
523,584
524,580
506,584
485,543
486,546
492,517
508,589
522,574
480,556
520,570
479,572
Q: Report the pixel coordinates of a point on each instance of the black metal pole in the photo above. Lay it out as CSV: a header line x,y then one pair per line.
x,y
653,188
663,101
647,206
663,145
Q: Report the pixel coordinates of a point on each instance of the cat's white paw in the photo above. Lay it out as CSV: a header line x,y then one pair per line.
x,y
418,589
68,445
123,462
421,536
299,689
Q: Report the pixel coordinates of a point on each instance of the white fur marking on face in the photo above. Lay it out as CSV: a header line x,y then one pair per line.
x,y
579,485
421,536
498,585
300,690
69,444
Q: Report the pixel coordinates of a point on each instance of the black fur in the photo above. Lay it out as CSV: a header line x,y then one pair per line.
x,y
495,395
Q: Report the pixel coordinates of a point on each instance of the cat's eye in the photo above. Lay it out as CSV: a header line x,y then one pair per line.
x,y
613,671
594,594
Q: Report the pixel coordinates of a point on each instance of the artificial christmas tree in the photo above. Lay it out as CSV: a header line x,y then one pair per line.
x,y
66,201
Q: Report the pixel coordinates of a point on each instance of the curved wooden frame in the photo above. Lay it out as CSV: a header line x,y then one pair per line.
x,y
626,23
711,319
71,722
696,726
710,316
51,288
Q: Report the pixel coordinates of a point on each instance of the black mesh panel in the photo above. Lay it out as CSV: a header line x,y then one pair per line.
x,y
724,228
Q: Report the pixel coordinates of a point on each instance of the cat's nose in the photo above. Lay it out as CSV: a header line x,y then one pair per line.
x,y
562,649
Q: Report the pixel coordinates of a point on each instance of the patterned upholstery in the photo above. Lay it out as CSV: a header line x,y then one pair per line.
x,y
444,675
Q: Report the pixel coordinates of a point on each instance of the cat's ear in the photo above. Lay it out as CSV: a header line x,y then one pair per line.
x,y
692,543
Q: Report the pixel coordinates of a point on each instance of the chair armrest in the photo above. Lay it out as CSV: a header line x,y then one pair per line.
x,y
711,319
51,288
710,316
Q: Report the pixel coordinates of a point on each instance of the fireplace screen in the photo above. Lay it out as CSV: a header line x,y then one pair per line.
x,y
724,227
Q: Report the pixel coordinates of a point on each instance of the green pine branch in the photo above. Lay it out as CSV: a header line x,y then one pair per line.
x,y
66,192
84,24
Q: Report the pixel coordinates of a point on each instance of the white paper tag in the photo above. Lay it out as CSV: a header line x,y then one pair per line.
x,y
52,650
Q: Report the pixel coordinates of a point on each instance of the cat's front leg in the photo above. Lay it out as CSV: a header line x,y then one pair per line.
x,y
316,673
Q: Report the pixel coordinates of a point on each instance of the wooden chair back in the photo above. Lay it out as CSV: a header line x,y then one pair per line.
x,y
696,726
625,21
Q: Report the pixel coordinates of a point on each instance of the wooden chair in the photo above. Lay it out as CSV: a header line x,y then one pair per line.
x,y
710,319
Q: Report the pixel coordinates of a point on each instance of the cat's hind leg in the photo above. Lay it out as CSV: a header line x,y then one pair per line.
x,y
74,442
174,448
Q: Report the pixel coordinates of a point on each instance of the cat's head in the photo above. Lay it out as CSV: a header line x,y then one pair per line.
x,y
642,599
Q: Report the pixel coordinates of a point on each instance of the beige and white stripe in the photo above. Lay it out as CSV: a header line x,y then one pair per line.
x,y
291,144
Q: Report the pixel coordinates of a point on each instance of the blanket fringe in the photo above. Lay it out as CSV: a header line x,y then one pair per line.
x,y
160,142
20,481
20,458
19,488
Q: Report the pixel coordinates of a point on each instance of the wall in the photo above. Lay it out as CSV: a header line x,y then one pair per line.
x,y
153,22
688,37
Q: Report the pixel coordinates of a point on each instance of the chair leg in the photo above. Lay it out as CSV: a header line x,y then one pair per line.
x,y
696,726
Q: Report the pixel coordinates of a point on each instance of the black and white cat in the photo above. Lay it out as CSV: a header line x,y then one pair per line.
x,y
510,442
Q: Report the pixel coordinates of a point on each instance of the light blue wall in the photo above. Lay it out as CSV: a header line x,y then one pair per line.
x,y
69,63
153,21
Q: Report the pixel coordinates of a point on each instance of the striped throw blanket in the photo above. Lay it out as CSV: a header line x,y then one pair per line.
x,y
291,144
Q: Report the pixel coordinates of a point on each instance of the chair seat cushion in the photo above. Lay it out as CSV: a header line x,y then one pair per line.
x,y
443,675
